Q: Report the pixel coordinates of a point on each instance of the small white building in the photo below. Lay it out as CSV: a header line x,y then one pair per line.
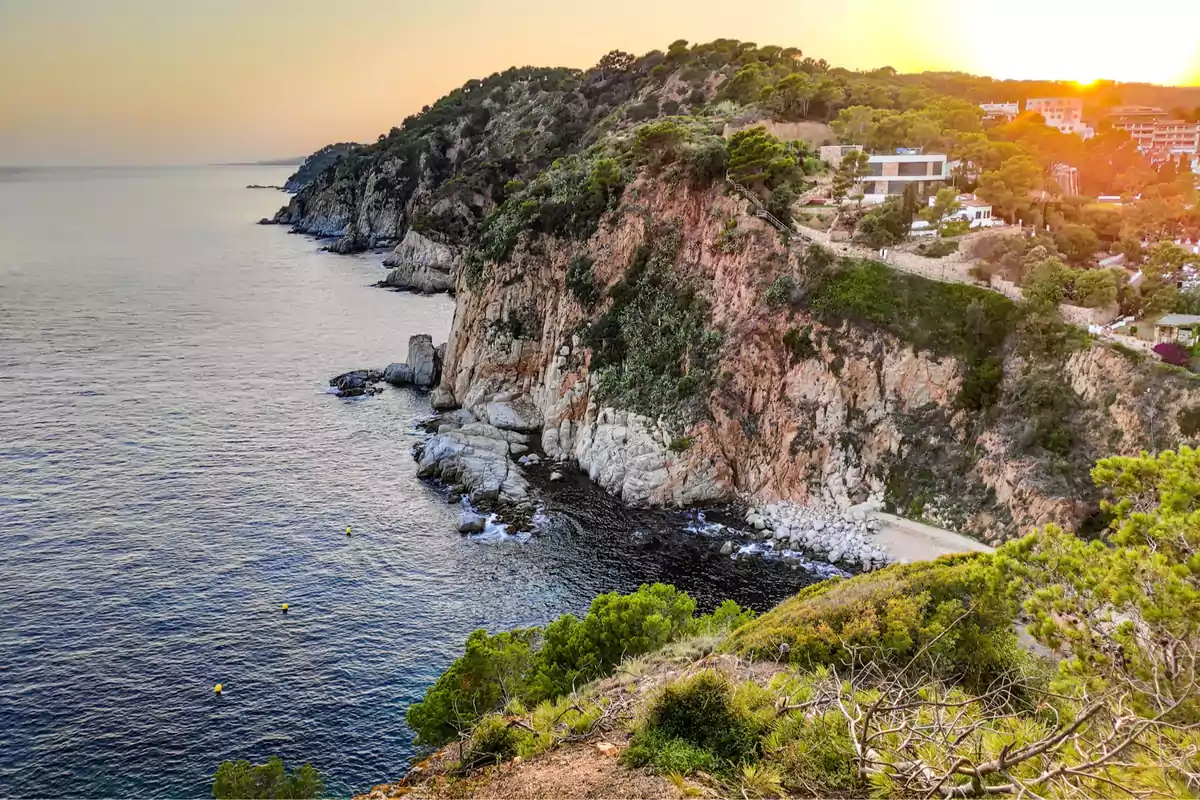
x,y
1180,328
1000,112
970,209
891,174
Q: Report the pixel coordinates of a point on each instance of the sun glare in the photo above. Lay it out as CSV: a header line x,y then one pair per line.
x,y
1089,49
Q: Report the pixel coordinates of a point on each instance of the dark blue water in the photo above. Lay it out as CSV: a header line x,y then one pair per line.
x,y
172,469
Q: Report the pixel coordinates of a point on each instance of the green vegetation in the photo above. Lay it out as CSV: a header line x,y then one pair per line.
x,y
701,723
241,780
536,665
799,344
652,346
938,248
942,318
565,201
581,281
937,611
911,682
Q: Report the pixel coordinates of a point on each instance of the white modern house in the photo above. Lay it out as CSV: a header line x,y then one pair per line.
x,y
890,174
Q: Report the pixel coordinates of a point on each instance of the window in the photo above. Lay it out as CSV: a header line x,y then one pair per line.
x,y
876,168
911,168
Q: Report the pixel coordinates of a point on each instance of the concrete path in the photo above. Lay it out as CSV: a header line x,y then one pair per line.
x,y
908,541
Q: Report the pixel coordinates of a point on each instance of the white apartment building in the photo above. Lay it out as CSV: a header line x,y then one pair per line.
x,y
1064,113
1155,132
890,174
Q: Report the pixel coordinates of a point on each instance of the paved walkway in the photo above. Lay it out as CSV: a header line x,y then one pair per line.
x,y
908,541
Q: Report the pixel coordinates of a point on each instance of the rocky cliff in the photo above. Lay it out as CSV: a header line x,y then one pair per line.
x,y
446,168
845,382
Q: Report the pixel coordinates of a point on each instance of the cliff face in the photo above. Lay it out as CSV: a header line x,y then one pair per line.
x,y
799,403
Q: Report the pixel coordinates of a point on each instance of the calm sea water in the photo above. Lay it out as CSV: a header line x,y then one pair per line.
x,y
172,469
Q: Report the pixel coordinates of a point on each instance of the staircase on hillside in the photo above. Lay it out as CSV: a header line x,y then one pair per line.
x,y
762,212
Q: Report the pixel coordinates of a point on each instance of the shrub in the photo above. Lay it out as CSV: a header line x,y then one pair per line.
x,y
955,227
582,282
680,444
779,293
240,780
491,741
668,755
981,384
1045,409
814,750
1172,353
533,665
943,318
894,613
799,344
937,248
700,710
652,347
1189,421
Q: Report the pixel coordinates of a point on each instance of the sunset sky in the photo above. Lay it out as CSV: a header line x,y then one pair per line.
x,y
194,81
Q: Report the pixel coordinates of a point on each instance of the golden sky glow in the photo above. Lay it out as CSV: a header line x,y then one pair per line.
x,y
188,81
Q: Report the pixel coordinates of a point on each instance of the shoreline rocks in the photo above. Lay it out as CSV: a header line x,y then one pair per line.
x,y
357,383
476,455
840,537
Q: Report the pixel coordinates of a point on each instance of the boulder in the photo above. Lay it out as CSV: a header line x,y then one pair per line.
x,y
556,476
519,414
423,361
470,522
727,548
442,399
398,374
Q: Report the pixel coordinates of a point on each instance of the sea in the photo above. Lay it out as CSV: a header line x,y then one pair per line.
x,y
173,469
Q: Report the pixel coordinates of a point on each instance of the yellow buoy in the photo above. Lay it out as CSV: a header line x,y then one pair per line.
x,y
285,608
348,531
217,688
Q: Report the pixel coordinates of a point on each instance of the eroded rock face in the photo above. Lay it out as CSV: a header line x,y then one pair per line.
x,y
421,265
859,415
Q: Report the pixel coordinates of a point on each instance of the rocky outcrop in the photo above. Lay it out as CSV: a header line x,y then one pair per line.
x,y
474,456
420,264
840,414
358,383
422,368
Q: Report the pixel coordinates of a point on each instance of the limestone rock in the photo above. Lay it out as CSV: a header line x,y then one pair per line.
x,y
420,264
